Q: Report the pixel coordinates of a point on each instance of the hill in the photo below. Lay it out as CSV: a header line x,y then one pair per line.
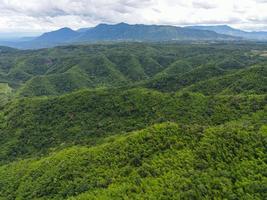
x,y
33,126
95,71
249,81
5,93
161,161
163,66
175,120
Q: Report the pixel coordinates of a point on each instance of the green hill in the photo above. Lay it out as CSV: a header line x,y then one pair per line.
x,y
248,81
129,65
134,121
88,73
164,161
175,82
32,126
177,68
5,93
166,67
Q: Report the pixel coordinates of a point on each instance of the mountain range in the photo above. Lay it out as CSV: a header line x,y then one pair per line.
x,y
137,33
227,30
119,32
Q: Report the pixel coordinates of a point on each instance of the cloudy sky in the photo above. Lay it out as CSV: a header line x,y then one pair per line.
x,y
44,15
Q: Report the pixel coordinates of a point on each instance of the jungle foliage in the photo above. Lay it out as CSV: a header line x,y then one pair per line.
x,y
134,121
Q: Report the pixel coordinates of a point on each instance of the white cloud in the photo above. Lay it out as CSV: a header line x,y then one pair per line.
x,y
44,15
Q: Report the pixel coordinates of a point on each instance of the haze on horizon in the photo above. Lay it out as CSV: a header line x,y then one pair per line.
x,y
31,17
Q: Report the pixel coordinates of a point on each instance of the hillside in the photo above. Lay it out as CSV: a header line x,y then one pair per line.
x,y
38,124
161,161
134,121
248,81
161,66
5,93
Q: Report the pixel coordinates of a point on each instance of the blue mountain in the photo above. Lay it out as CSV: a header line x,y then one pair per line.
x,y
227,30
140,32
58,36
119,32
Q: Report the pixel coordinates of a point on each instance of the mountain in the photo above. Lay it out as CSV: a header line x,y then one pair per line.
x,y
123,31
227,30
137,32
82,30
48,39
118,32
58,36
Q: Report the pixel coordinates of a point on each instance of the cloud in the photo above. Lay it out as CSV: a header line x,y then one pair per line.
x,y
204,4
44,15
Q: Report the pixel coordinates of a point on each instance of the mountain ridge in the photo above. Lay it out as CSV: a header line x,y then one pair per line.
x,y
119,32
225,29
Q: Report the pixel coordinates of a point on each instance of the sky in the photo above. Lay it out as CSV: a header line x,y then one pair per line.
x,y
30,17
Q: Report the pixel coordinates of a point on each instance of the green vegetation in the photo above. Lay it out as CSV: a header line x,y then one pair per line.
x,y
249,81
166,67
5,93
134,121
164,161
36,125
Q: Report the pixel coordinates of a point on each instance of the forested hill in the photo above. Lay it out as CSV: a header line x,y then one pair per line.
x,y
134,121
166,67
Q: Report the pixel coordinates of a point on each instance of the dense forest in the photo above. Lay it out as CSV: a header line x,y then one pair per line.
x,y
172,120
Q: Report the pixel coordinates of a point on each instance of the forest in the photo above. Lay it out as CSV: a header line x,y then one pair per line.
x,y
129,120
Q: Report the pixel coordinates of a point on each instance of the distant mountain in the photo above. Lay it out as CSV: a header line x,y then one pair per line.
x,y
58,36
118,32
24,39
139,32
48,39
227,30
82,30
